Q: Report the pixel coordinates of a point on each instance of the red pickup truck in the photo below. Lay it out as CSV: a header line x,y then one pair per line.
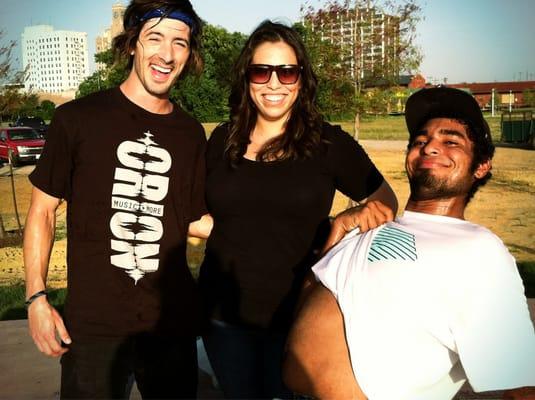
x,y
26,144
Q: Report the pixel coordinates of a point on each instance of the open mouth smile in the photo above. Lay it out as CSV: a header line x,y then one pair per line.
x,y
159,72
273,98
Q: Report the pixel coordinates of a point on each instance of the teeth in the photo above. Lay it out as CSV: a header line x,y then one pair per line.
x,y
274,97
161,69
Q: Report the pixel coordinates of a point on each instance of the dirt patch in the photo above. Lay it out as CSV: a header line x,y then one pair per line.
x,y
506,205
11,240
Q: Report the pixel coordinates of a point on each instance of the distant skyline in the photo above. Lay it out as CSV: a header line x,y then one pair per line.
x,y
461,40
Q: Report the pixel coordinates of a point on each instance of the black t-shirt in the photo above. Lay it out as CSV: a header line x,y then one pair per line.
x,y
269,217
133,181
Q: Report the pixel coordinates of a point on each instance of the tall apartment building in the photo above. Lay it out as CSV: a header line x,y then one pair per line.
x,y
368,38
57,61
104,41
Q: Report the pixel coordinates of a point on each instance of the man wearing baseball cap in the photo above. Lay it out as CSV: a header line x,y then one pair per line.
x,y
419,306
130,165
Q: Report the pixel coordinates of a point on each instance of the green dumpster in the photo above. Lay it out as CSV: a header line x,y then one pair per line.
x,y
517,126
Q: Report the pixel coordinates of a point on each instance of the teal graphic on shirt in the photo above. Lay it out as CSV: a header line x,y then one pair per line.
x,y
392,244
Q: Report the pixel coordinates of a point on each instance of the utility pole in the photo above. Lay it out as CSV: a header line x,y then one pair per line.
x,y
493,94
510,100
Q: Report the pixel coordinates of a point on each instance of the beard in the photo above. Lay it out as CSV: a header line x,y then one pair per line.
x,y
425,186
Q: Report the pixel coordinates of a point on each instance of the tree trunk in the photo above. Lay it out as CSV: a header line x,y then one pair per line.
x,y
357,126
2,229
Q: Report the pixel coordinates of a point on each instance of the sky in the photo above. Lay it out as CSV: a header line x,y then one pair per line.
x,y
461,40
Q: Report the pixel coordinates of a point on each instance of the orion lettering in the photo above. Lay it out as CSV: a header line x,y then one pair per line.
x,y
139,186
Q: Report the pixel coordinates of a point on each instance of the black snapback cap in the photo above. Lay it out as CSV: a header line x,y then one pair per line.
x,y
445,102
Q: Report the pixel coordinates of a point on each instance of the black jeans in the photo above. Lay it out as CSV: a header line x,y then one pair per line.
x,y
163,367
246,362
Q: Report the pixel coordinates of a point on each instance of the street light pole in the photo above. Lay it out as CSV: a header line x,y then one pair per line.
x,y
510,100
493,94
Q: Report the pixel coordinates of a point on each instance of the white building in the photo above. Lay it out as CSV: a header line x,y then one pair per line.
x,y
57,61
368,38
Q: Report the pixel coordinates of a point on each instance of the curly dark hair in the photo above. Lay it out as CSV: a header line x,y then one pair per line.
x,y
124,43
483,150
302,134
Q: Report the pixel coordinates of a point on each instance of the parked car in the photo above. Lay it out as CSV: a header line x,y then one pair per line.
x,y
36,123
26,144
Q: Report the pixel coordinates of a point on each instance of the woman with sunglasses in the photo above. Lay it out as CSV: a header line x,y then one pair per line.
x,y
272,174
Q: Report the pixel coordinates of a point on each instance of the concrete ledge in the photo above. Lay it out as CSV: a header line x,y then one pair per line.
x,y
27,374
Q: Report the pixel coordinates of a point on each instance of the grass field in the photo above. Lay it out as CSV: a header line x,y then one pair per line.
x,y
384,127
394,128
506,206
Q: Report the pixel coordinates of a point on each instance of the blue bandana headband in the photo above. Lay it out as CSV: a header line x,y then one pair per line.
x,y
159,13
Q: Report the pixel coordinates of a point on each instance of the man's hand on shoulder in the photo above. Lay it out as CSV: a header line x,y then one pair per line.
x,y
44,321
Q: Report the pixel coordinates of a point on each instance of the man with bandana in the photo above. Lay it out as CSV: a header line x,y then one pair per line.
x,y
130,165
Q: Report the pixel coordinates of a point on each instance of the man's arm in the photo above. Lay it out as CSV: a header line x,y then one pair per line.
x,y
317,359
202,227
44,321
379,208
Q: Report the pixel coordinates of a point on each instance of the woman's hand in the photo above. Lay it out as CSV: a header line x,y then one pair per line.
x,y
201,228
364,217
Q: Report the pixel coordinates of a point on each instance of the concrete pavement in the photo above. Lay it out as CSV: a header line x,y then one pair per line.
x,y
26,374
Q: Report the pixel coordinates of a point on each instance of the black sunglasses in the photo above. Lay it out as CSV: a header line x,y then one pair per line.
x,y
261,73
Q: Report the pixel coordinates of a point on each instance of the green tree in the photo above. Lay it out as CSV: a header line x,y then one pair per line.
x,y
203,98
206,98
336,97
529,97
11,99
376,101
105,57
395,35
7,73
46,110
29,105
111,76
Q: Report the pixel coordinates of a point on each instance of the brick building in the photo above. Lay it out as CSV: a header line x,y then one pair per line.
x,y
505,92
104,41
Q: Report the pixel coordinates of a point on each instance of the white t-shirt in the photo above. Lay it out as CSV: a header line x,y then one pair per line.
x,y
429,301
